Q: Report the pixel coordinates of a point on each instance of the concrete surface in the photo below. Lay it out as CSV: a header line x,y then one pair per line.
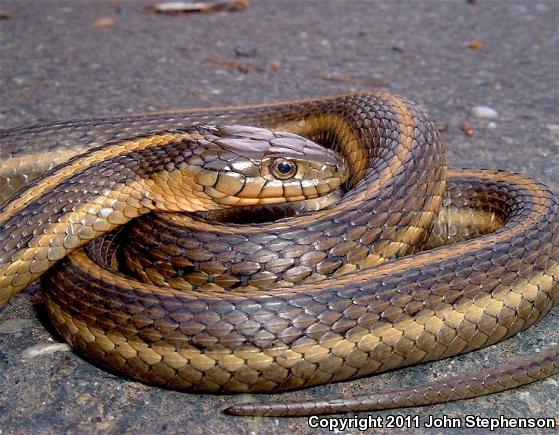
x,y
55,65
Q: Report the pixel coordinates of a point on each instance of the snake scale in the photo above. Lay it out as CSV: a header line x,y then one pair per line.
x,y
386,258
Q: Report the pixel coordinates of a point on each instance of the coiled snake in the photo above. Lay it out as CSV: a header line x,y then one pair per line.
x,y
349,291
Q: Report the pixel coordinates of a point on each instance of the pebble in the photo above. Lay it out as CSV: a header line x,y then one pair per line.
x,y
492,125
19,80
553,127
44,349
15,325
484,112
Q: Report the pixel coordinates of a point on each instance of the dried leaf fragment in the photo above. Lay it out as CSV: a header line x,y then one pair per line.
x,y
44,349
102,23
179,7
467,129
4,14
475,44
276,67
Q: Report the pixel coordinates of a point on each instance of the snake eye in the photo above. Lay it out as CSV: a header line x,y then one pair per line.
x,y
283,169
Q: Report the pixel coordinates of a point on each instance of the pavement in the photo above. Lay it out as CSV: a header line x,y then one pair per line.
x,y
59,62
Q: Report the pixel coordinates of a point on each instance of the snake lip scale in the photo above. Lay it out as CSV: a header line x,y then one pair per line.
x,y
388,258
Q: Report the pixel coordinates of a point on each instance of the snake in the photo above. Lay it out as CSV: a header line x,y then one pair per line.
x,y
275,247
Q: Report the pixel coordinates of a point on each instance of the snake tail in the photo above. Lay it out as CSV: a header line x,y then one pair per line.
x,y
502,378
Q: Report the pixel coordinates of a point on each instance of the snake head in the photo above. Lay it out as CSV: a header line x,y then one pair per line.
x,y
253,166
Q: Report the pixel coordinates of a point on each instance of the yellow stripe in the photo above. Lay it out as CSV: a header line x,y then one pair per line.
x,y
65,172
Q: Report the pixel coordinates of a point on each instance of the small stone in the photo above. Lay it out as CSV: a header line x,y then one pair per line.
x,y
492,125
246,51
484,112
553,127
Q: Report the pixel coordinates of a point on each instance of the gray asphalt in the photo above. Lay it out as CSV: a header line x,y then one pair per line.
x,y
55,65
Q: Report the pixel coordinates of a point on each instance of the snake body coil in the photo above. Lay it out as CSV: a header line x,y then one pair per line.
x,y
343,298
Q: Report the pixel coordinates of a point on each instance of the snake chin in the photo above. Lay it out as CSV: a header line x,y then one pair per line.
x,y
271,213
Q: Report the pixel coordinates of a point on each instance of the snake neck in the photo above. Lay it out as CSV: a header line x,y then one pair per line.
x,y
62,211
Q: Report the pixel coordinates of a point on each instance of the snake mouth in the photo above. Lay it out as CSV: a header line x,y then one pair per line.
x,y
271,213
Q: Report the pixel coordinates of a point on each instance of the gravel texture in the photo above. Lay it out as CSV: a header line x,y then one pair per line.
x,y
449,56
